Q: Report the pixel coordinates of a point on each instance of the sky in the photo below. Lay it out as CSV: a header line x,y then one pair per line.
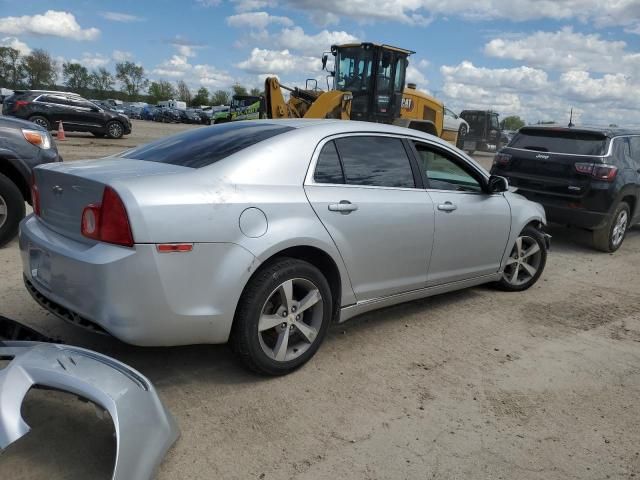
x,y
532,58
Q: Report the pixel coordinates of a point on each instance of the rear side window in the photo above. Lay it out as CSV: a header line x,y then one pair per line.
x,y
560,141
635,150
375,161
204,146
328,168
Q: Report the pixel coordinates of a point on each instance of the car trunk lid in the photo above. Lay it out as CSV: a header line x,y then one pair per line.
x,y
66,189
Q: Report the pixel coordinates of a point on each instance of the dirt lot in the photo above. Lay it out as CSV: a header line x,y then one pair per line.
x,y
476,384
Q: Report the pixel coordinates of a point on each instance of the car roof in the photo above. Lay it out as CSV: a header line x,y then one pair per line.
x,y
48,91
605,131
327,127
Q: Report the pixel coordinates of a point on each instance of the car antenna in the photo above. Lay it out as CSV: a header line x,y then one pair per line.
x,y
571,119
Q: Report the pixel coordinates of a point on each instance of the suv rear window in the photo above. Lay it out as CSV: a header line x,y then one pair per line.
x,y
204,146
560,141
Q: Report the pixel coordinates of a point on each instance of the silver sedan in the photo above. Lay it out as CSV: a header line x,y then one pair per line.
x,y
263,233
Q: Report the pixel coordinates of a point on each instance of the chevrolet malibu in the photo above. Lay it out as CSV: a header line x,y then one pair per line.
x,y
263,233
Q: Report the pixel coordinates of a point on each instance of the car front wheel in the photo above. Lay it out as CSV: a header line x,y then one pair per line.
x,y
115,129
41,121
12,209
282,317
526,261
610,238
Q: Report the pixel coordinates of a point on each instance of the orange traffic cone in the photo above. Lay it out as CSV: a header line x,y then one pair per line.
x,y
61,135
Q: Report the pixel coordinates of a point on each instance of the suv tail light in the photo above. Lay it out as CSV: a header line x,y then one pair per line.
x,y
35,195
502,159
599,171
18,104
107,221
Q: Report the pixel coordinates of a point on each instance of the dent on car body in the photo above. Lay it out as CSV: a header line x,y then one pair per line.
x,y
144,429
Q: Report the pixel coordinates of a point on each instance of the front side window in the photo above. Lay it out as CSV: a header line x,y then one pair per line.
x,y
353,69
375,161
442,173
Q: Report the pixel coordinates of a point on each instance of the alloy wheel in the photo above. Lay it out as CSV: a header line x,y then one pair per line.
x,y
115,130
290,320
3,211
41,122
524,261
619,229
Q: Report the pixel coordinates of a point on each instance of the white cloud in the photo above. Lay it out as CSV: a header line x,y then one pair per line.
x,y
121,56
250,5
16,44
120,17
262,61
520,79
610,88
54,23
567,50
92,60
257,20
178,67
208,3
313,45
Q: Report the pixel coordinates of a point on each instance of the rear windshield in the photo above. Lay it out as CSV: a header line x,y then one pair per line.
x,y
560,141
205,146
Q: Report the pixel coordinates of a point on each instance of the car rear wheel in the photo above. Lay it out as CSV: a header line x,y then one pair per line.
x,y
115,129
526,261
12,209
610,238
282,317
41,121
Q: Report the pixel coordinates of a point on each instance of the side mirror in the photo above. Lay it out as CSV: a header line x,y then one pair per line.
x,y
324,61
497,184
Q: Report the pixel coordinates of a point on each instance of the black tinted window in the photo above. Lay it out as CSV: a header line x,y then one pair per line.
x,y
377,161
205,146
635,150
328,169
560,141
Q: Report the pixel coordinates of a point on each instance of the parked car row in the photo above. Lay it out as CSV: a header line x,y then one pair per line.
x,y
164,114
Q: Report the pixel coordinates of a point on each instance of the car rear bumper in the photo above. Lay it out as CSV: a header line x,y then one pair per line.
x,y
560,210
136,294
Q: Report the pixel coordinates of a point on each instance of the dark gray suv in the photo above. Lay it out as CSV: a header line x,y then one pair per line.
x,y
48,108
23,145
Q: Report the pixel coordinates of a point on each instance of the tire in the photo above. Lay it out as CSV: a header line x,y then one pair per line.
x,y
523,269
115,129
610,238
42,121
12,209
264,297
462,132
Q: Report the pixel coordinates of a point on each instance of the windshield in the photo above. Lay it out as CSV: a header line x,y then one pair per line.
x,y
560,141
353,69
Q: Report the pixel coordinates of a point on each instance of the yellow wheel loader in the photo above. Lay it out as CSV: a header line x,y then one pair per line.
x,y
368,85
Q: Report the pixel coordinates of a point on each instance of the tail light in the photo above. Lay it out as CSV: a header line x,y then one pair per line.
x,y
19,104
599,171
502,159
107,221
35,195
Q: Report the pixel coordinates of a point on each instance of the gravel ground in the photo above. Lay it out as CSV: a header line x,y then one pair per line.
x,y
475,384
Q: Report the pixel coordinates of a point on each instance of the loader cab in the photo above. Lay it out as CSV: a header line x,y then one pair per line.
x,y
375,75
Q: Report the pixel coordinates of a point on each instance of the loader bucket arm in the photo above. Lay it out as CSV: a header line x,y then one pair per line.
x,y
331,104
275,105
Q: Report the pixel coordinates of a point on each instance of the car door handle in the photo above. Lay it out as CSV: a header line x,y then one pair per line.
x,y
345,207
447,207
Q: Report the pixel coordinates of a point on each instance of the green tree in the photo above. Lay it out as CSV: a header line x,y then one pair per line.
x,y
132,78
239,90
76,77
256,92
220,97
11,69
101,81
184,93
39,69
161,90
513,122
201,97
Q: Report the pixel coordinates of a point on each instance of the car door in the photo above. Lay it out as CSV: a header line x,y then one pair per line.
x,y
55,108
85,115
634,173
363,189
471,226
